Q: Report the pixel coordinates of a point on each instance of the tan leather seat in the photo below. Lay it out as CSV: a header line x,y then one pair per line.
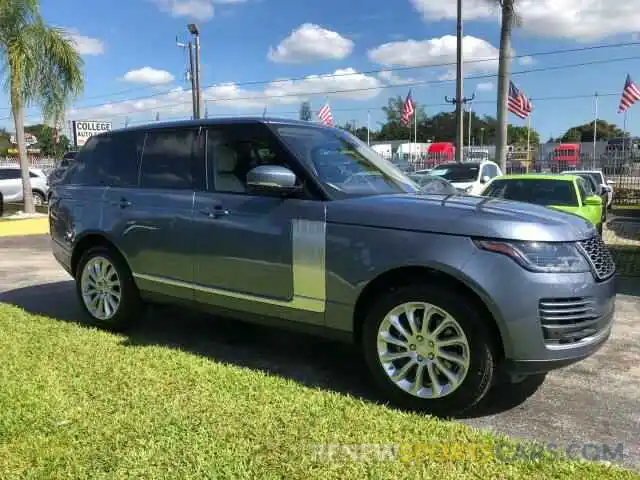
x,y
226,160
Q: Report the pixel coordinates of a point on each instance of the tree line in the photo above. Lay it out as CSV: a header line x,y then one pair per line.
x,y
441,127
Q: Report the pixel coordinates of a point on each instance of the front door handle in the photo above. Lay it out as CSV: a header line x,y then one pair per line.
x,y
217,212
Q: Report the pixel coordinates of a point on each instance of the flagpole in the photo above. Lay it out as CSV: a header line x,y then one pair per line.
x,y
624,135
415,135
595,126
528,139
368,127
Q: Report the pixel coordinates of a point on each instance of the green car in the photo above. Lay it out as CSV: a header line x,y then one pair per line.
x,y
568,193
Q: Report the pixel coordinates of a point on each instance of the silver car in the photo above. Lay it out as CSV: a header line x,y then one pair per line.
x,y
11,185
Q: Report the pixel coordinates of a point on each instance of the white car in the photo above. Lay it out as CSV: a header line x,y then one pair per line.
x,y
11,185
597,177
468,177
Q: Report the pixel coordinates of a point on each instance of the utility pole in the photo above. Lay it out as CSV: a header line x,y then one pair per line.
x,y
459,88
191,75
193,30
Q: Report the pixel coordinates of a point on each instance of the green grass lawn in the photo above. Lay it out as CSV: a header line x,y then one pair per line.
x,y
80,403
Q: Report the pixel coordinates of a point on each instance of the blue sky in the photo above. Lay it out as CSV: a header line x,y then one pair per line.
x,y
134,70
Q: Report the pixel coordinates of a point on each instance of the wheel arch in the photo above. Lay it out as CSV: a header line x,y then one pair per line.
x,y
90,240
411,275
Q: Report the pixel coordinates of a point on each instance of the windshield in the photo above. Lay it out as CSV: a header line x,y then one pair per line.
x,y
538,191
457,172
345,165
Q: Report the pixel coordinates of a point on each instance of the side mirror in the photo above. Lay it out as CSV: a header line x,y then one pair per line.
x,y
485,179
272,180
593,201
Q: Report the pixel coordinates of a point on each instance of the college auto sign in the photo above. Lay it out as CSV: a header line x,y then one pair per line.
x,y
85,129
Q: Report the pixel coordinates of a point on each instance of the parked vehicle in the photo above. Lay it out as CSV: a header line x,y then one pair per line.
x,y
440,152
566,155
430,184
605,187
468,177
296,224
11,185
567,193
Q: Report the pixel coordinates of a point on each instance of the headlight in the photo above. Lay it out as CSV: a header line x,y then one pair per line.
x,y
540,256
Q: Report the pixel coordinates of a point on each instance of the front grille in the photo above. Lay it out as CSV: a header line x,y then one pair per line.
x,y
599,257
569,320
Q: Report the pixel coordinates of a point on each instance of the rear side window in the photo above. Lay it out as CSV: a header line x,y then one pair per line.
x,y
108,160
9,173
173,160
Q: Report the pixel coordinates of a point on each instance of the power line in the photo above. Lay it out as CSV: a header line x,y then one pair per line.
x,y
377,87
370,72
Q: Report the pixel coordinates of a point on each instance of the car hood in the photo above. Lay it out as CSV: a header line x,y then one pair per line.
x,y
461,215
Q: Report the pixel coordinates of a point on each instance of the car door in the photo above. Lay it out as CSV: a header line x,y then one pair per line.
x,y
257,253
149,215
11,184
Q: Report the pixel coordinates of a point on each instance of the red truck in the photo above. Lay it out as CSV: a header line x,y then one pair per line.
x,y
440,152
566,156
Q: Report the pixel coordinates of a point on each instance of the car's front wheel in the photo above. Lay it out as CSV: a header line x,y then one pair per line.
x,y
106,289
429,349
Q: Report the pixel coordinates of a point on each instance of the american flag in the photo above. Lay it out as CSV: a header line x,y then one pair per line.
x,y
325,115
408,109
518,103
630,95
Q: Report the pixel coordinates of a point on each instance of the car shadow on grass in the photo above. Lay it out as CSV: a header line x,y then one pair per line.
x,y
311,361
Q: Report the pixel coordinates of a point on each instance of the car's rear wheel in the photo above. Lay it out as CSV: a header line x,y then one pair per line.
x,y
106,289
429,349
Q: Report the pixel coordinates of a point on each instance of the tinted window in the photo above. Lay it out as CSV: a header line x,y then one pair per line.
x,y
234,150
538,191
584,189
588,183
33,175
457,172
172,160
9,173
108,160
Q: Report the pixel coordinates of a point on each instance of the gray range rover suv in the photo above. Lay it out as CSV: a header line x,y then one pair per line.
x,y
295,224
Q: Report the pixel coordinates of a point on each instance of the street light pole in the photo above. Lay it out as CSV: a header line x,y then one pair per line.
x,y
193,29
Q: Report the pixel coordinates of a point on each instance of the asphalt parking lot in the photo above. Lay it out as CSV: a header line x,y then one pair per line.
x,y
594,402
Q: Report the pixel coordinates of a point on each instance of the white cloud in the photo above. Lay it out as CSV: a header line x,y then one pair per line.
x,y
485,87
85,45
437,51
344,84
390,78
148,75
526,60
311,42
576,19
201,10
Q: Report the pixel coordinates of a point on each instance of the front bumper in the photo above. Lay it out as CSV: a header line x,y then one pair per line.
x,y
546,321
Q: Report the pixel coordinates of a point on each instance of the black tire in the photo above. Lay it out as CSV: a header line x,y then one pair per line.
x,y
130,306
39,196
480,374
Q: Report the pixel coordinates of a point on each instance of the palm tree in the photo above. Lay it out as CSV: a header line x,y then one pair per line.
x,y
40,66
509,19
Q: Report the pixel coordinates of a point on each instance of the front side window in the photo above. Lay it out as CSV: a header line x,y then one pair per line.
x,y
343,164
234,150
172,160
537,191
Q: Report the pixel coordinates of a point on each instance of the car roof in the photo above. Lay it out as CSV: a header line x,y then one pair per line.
x,y
204,122
538,176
